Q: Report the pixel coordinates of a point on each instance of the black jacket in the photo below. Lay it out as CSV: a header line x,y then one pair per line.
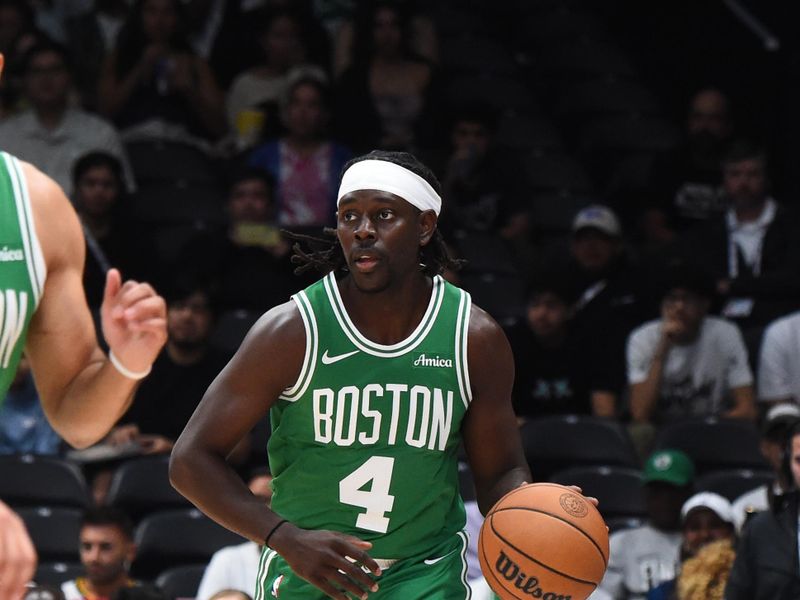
x,y
766,566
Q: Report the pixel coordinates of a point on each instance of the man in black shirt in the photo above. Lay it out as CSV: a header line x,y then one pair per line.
x,y
557,372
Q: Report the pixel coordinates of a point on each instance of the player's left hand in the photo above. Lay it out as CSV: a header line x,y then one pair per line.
x,y
134,321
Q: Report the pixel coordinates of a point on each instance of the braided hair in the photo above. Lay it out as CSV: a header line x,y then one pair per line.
x,y
325,253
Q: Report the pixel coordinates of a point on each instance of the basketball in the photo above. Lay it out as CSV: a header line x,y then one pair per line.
x,y
543,540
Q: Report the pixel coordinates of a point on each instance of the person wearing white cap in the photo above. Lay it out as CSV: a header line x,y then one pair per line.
x,y
774,431
370,389
706,517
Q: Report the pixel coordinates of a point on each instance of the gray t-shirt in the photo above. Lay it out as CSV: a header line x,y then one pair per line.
x,y
778,367
640,560
697,378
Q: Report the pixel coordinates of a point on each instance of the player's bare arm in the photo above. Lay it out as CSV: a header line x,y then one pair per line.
x,y
268,361
491,436
82,393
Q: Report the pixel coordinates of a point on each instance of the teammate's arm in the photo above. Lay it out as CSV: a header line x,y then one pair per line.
x,y
268,361
491,436
82,393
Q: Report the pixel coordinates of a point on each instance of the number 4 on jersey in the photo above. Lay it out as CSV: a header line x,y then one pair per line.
x,y
377,500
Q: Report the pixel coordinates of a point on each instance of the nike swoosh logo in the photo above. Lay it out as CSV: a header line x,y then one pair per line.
x,y
329,360
433,561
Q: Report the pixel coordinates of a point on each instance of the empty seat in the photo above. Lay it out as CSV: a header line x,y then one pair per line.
x,y
141,485
56,573
177,537
629,133
732,483
528,133
558,442
619,489
605,96
54,531
174,202
502,296
182,581
27,480
476,55
552,212
158,161
715,444
585,58
555,172
501,93
231,327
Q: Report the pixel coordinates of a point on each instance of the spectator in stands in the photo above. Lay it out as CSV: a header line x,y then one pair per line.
x,y
17,34
91,35
24,429
688,363
778,368
611,290
386,98
689,181
766,558
110,240
753,250
304,163
423,40
254,95
181,374
236,567
778,421
152,83
249,257
107,551
51,134
555,371
706,518
482,187
642,558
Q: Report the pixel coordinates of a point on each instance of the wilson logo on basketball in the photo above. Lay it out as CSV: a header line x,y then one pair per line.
x,y
573,505
527,584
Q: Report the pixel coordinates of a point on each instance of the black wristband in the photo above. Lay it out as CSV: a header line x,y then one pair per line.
x,y
273,530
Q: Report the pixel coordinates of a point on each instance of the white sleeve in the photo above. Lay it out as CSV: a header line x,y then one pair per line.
x,y
774,376
215,577
738,369
613,583
639,355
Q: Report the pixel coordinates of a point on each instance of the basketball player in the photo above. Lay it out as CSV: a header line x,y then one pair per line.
x,y
43,310
374,375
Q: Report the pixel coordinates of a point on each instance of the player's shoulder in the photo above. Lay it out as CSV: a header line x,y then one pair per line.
x,y
486,340
282,325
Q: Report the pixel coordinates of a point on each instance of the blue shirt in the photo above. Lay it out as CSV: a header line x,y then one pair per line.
x,y
23,427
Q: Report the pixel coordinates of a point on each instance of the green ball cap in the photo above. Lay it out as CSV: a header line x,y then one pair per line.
x,y
669,466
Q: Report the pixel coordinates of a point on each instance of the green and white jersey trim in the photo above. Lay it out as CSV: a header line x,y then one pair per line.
x,y
462,336
312,344
267,556
30,241
381,350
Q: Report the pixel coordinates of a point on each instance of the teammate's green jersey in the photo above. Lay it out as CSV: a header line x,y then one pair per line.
x,y
22,270
365,441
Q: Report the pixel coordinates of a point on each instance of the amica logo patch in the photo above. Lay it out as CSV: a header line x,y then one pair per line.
x,y
433,361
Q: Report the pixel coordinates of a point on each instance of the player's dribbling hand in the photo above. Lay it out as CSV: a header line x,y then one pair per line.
x,y
134,321
17,556
329,560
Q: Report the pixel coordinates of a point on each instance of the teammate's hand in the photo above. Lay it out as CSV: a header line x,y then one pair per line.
x,y
134,321
17,556
323,559
591,499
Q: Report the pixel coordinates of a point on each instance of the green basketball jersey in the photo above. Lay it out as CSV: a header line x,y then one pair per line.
x,y
21,267
365,441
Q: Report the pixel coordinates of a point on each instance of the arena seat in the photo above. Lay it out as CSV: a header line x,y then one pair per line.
x,y
558,442
141,485
54,531
528,133
732,483
28,480
160,161
231,327
177,537
715,444
56,573
182,581
619,489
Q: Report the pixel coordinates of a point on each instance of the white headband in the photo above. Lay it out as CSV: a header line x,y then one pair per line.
x,y
388,177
